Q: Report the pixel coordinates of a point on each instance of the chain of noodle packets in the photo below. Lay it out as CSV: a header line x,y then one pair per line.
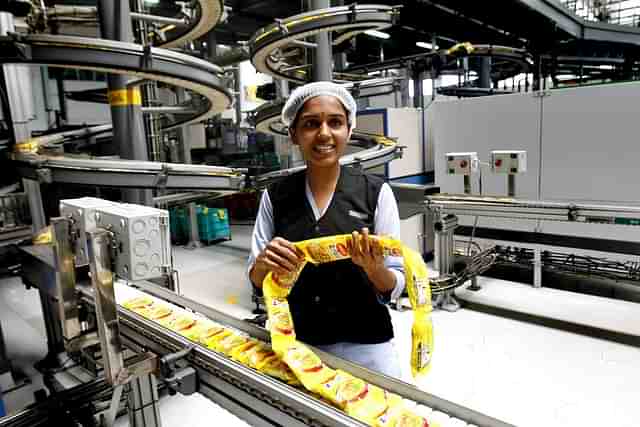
x,y
365,402
294,363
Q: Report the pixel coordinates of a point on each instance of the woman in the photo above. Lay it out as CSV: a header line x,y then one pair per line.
x,y
339,307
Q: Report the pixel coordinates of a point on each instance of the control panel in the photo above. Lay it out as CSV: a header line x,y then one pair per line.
x,y
462,163
508,161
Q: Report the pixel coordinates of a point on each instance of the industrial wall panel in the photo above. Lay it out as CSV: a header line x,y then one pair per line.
x,y
591,152
506,122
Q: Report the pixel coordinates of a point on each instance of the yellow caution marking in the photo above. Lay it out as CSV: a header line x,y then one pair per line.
x,y
123,97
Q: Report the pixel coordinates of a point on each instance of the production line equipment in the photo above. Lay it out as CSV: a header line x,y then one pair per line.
x,y
131,356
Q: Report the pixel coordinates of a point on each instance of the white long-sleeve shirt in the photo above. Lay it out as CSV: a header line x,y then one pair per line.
x,y
386,220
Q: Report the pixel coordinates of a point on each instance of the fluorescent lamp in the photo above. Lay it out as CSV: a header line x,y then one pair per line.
x,y
152,1
378,34
426,45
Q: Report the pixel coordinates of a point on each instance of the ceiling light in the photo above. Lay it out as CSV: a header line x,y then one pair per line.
x,y
378,34
152,1
426,45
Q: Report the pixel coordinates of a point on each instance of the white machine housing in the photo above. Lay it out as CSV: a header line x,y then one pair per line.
x,y
462,163
141,237
82,212
509,161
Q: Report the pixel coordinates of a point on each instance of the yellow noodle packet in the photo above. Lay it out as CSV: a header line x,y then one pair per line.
x,y
306,365
202,331
417,283
259,356
228,343
241,353
279,315
212,342
137,303
370,406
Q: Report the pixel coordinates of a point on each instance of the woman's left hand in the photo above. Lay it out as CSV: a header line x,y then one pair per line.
x,y
366,252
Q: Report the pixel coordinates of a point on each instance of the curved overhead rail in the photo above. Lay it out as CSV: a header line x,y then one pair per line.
x,y
208,14
114,57
470,92
278,48
177,32
508,61
128,173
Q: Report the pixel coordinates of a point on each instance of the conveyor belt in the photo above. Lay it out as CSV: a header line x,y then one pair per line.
x,y
108,56
261,400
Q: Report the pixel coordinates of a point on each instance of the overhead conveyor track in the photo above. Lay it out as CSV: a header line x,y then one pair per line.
x,y
115,57
274,47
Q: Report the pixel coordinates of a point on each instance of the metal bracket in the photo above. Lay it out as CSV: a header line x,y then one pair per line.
x,y
146,61
353,8
281,26
44,176
162,177
179,380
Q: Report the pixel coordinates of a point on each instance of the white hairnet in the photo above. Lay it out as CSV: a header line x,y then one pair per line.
x,y
303,93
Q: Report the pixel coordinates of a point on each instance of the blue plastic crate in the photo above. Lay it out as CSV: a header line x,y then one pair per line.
x,y
213,224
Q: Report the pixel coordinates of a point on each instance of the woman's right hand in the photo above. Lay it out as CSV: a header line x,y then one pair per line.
x,y
279,256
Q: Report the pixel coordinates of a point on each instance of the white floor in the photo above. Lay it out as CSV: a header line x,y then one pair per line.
x,y
520,373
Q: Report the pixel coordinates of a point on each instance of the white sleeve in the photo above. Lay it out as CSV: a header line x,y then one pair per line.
x,y
263,230
387,223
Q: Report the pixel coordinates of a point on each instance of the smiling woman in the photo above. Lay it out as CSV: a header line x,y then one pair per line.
x,y
338,306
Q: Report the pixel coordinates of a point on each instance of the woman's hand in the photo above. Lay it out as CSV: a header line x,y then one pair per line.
x,y
366,252
279,256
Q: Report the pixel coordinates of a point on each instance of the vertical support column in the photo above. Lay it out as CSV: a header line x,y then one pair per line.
x,y
128,127
32,188
484,72
322,67
65,278
511,185
445,246
418,96
537,268
143,402
5,366
106,311
194,238
183,132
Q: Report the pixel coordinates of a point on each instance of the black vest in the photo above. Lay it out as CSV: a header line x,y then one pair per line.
x,y
333,302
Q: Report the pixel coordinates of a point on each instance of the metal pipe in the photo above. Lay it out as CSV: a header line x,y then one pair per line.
x,y
128,126
168,109
322,70
511,184
161,19
467,184
102,279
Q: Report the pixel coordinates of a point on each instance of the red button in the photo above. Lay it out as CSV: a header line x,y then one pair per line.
x,y
498,162
463,164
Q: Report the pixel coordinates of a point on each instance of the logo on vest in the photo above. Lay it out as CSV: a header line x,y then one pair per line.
x,y
359,215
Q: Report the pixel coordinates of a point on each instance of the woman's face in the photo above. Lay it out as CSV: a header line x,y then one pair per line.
x,y
321,131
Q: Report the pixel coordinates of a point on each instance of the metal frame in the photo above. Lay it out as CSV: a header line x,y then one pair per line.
x,y
129,173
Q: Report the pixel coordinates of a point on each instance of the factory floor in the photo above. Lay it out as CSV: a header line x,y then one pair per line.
x,y
519,372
